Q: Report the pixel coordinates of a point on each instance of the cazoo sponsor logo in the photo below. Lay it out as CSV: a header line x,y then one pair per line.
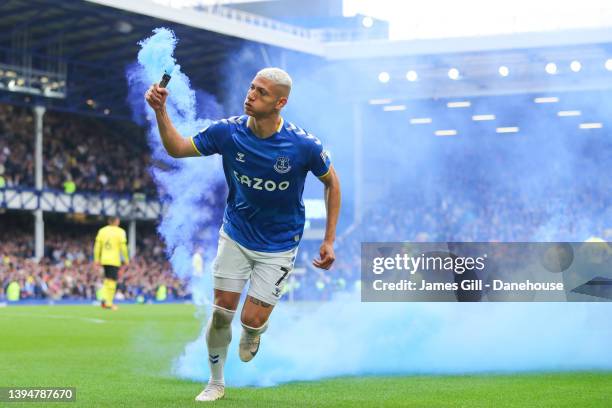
x,y
260,184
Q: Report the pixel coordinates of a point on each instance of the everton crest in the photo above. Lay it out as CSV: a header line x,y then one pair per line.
x,y
282,165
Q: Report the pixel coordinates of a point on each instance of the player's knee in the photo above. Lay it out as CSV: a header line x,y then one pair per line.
x,y
221,317
253,320
226,300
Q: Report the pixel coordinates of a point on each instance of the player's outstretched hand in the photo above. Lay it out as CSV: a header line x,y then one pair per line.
x,y
156,97
327,256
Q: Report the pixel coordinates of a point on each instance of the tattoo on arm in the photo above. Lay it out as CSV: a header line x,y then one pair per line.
x,y
259,302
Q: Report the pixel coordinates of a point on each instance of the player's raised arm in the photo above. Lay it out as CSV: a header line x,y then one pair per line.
x,y
176,145
332,205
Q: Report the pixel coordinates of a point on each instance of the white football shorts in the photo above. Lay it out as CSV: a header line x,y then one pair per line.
x,y
268,271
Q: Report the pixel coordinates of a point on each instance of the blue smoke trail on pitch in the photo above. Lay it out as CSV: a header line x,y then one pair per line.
x,y
311,341
346,337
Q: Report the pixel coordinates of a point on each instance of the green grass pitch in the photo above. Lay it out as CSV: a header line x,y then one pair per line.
x,y
123,359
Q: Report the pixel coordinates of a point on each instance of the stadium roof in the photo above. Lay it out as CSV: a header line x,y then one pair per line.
x,y
227,21
93,44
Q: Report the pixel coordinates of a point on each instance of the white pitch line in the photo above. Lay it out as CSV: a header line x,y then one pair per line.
x,y
87,319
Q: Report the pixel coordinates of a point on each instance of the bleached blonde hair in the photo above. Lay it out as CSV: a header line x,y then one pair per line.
x,y
277,76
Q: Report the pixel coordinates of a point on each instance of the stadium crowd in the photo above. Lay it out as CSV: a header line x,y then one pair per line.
x,y
487,203
79,153
460,211
67,270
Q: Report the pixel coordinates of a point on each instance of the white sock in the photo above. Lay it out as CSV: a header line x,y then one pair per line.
x,y
218,338
255,331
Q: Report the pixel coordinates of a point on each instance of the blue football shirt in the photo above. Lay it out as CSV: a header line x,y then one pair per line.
x,y
264,211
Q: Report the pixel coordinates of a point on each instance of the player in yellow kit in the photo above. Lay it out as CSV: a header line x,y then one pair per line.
x,y
110,247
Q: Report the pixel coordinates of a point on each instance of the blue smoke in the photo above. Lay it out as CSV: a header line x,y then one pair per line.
x,y
186,186
346,337
308,341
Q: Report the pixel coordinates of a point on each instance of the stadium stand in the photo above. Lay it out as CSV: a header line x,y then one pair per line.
x,y
76,149
67,272
464,208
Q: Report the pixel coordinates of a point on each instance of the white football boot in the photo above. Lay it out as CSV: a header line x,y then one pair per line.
x,y
249,345
212,392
